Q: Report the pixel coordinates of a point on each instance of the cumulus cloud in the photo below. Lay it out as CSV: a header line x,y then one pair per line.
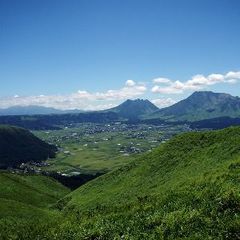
x,y
163,102
130,90
130,83
81,99
233,75
161,80
166,90
197,82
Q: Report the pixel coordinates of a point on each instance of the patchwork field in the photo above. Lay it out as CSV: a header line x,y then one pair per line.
x,y
92,148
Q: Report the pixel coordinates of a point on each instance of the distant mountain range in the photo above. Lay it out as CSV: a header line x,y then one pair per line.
x,y
200,106
222,109
130,109
34,110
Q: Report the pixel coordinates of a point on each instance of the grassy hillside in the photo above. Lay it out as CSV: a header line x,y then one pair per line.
x,y
38,191
18,145
19,194
188,188
25,203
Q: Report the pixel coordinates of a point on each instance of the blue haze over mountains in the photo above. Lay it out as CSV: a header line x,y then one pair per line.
x,y
199,106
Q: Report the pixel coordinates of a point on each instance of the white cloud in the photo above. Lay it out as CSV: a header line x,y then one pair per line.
x,y
94,107
197,82
81,99
130,83
161,80
166,90
163,102
232,75
232,81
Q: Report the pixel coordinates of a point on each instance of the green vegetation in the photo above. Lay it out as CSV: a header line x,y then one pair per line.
x,y
26,201
92,148
89,154
18,146
188,188
35,190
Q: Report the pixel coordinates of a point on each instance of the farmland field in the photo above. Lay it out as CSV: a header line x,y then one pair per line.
x,y
90,148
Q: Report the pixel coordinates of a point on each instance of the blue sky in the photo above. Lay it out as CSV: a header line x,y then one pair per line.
x,y
80,54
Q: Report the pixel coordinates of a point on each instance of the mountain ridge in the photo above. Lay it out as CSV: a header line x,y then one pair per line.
x,y
201,105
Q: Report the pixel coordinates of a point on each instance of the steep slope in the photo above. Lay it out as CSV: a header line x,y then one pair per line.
x,y
25,202
35,190
186,189
201,105
18,145
134,109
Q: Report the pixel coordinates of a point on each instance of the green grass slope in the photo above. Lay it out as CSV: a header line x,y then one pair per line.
x,y
187,189
35,190
18,145
25,203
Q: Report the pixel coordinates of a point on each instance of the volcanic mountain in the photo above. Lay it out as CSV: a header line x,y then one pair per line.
x,y
201,105
134,109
